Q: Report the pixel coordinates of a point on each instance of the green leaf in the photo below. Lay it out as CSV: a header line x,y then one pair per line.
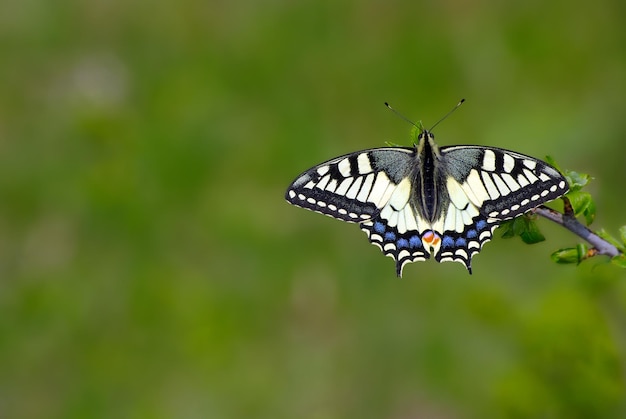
x,y
415,132
590,211
619,260
507,229
622,234
518,225
566,255
583,250
579,200
531,234
576,180
582,203
570,254
525,227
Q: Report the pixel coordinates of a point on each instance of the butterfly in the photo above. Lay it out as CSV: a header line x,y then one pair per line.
x,y
422,201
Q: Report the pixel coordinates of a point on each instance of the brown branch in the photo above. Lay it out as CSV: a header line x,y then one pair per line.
x,y
569,221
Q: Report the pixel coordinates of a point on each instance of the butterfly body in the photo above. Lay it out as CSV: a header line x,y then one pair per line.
x,y
423,201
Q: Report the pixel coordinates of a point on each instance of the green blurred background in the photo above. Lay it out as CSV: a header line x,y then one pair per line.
x,y
150,267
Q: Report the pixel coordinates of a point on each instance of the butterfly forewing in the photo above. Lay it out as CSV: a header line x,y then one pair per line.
x,y
353,187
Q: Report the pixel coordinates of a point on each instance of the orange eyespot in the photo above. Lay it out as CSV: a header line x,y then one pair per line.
x,y
431,238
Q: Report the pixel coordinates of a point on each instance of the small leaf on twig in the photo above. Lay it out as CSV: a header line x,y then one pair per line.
x,y
619,260
622,234
583,204
571,254
525,227
577,180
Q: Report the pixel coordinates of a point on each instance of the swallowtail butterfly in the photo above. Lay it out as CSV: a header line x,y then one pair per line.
x,y
422,201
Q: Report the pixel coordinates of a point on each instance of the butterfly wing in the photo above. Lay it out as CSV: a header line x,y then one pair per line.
x,y
371,187
353,187
483,187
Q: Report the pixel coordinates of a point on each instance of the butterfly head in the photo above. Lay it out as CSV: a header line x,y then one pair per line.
x,y
426,143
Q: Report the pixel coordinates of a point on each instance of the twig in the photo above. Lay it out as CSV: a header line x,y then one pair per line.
x,y
569,221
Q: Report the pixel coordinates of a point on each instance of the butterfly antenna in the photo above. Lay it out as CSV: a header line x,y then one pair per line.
x,y
419,127
448,114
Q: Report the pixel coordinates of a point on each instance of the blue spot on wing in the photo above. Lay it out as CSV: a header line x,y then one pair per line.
x,y
460,242
414,242
391,236
379,227
402,243
481,225
447,241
